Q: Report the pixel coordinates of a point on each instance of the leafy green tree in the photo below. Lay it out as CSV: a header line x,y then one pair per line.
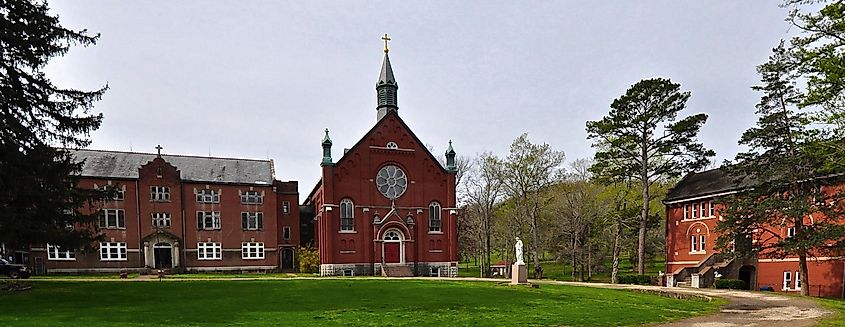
x,y
38,194
527,171
642,139
785,177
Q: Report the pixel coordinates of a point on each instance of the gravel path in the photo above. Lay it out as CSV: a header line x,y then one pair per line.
x,y
744,308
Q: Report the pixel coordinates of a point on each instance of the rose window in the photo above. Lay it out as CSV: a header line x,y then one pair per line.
x,y
391,182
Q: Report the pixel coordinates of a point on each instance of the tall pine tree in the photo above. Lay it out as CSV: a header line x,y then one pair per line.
x,y
39,201
785,178
642,139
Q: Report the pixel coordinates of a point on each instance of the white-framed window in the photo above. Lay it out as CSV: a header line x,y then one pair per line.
x,y
285,207
694,243
712,208
209,251
252,250
702,211
252,220
787,280
159,193
434,217
701,241
112,251
112,219
286,232
347,215
208,196
686,211
161,219
58,254
252,197
208,219
693,211
790,232
798,280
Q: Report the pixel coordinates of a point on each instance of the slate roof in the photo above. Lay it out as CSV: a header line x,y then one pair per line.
x,y
116,164
708,182
386,74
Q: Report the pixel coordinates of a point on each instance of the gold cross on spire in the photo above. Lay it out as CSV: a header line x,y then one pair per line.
x,y
386,39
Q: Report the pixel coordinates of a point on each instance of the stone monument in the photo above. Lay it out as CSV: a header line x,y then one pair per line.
x,y
519,273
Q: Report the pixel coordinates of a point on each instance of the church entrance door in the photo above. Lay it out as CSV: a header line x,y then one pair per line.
x,y
391,252
392,247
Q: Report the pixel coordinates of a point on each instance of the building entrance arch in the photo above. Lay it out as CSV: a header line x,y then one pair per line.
x,y
748,274
393,247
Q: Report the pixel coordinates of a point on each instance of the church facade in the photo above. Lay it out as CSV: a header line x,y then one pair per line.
x,y
388,205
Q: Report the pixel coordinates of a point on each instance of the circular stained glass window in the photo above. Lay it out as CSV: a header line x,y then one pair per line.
x,y
391,182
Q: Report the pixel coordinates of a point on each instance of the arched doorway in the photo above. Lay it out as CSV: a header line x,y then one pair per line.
x,y
163,253
287,259
748,275
393,249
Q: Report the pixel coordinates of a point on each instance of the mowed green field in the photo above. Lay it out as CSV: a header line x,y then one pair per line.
x,y
338,302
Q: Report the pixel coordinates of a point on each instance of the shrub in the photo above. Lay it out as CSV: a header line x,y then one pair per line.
x,y
634,279
734,284
309,259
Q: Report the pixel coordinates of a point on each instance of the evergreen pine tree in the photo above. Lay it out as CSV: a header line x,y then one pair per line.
x,y
39,198
785,178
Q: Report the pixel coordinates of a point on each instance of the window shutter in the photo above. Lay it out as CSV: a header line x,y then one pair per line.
x,y
244,220
260,220
199,219
121,219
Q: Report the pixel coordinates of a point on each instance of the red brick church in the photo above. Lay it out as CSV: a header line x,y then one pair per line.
x,y
387,202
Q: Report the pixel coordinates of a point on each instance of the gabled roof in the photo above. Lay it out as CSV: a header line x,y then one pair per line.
x,y
410,131
708,182
364,137
117,164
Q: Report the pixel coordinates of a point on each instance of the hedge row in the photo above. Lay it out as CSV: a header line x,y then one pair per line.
x,y
635,279
734,284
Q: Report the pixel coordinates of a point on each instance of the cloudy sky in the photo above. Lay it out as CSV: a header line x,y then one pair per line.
x,y
259,79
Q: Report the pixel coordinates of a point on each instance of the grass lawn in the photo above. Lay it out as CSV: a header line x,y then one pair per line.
x,y
333,302
838,307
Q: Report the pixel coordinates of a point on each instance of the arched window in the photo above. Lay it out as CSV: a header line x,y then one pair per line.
x,y
434,217
347,215
392,236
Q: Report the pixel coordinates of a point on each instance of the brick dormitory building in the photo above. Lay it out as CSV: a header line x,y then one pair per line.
x,y
386,206
692,213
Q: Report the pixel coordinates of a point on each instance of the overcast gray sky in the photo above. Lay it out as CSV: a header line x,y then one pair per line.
x,y
258,79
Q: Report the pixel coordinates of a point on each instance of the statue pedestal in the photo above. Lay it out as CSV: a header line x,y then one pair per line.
x,y
519,274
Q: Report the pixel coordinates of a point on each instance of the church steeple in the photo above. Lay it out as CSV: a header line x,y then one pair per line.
x,y
386,87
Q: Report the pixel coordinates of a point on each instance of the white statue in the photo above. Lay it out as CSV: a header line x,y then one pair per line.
x,y
518,247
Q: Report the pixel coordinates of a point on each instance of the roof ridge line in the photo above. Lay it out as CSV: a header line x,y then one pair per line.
x,y
172,155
